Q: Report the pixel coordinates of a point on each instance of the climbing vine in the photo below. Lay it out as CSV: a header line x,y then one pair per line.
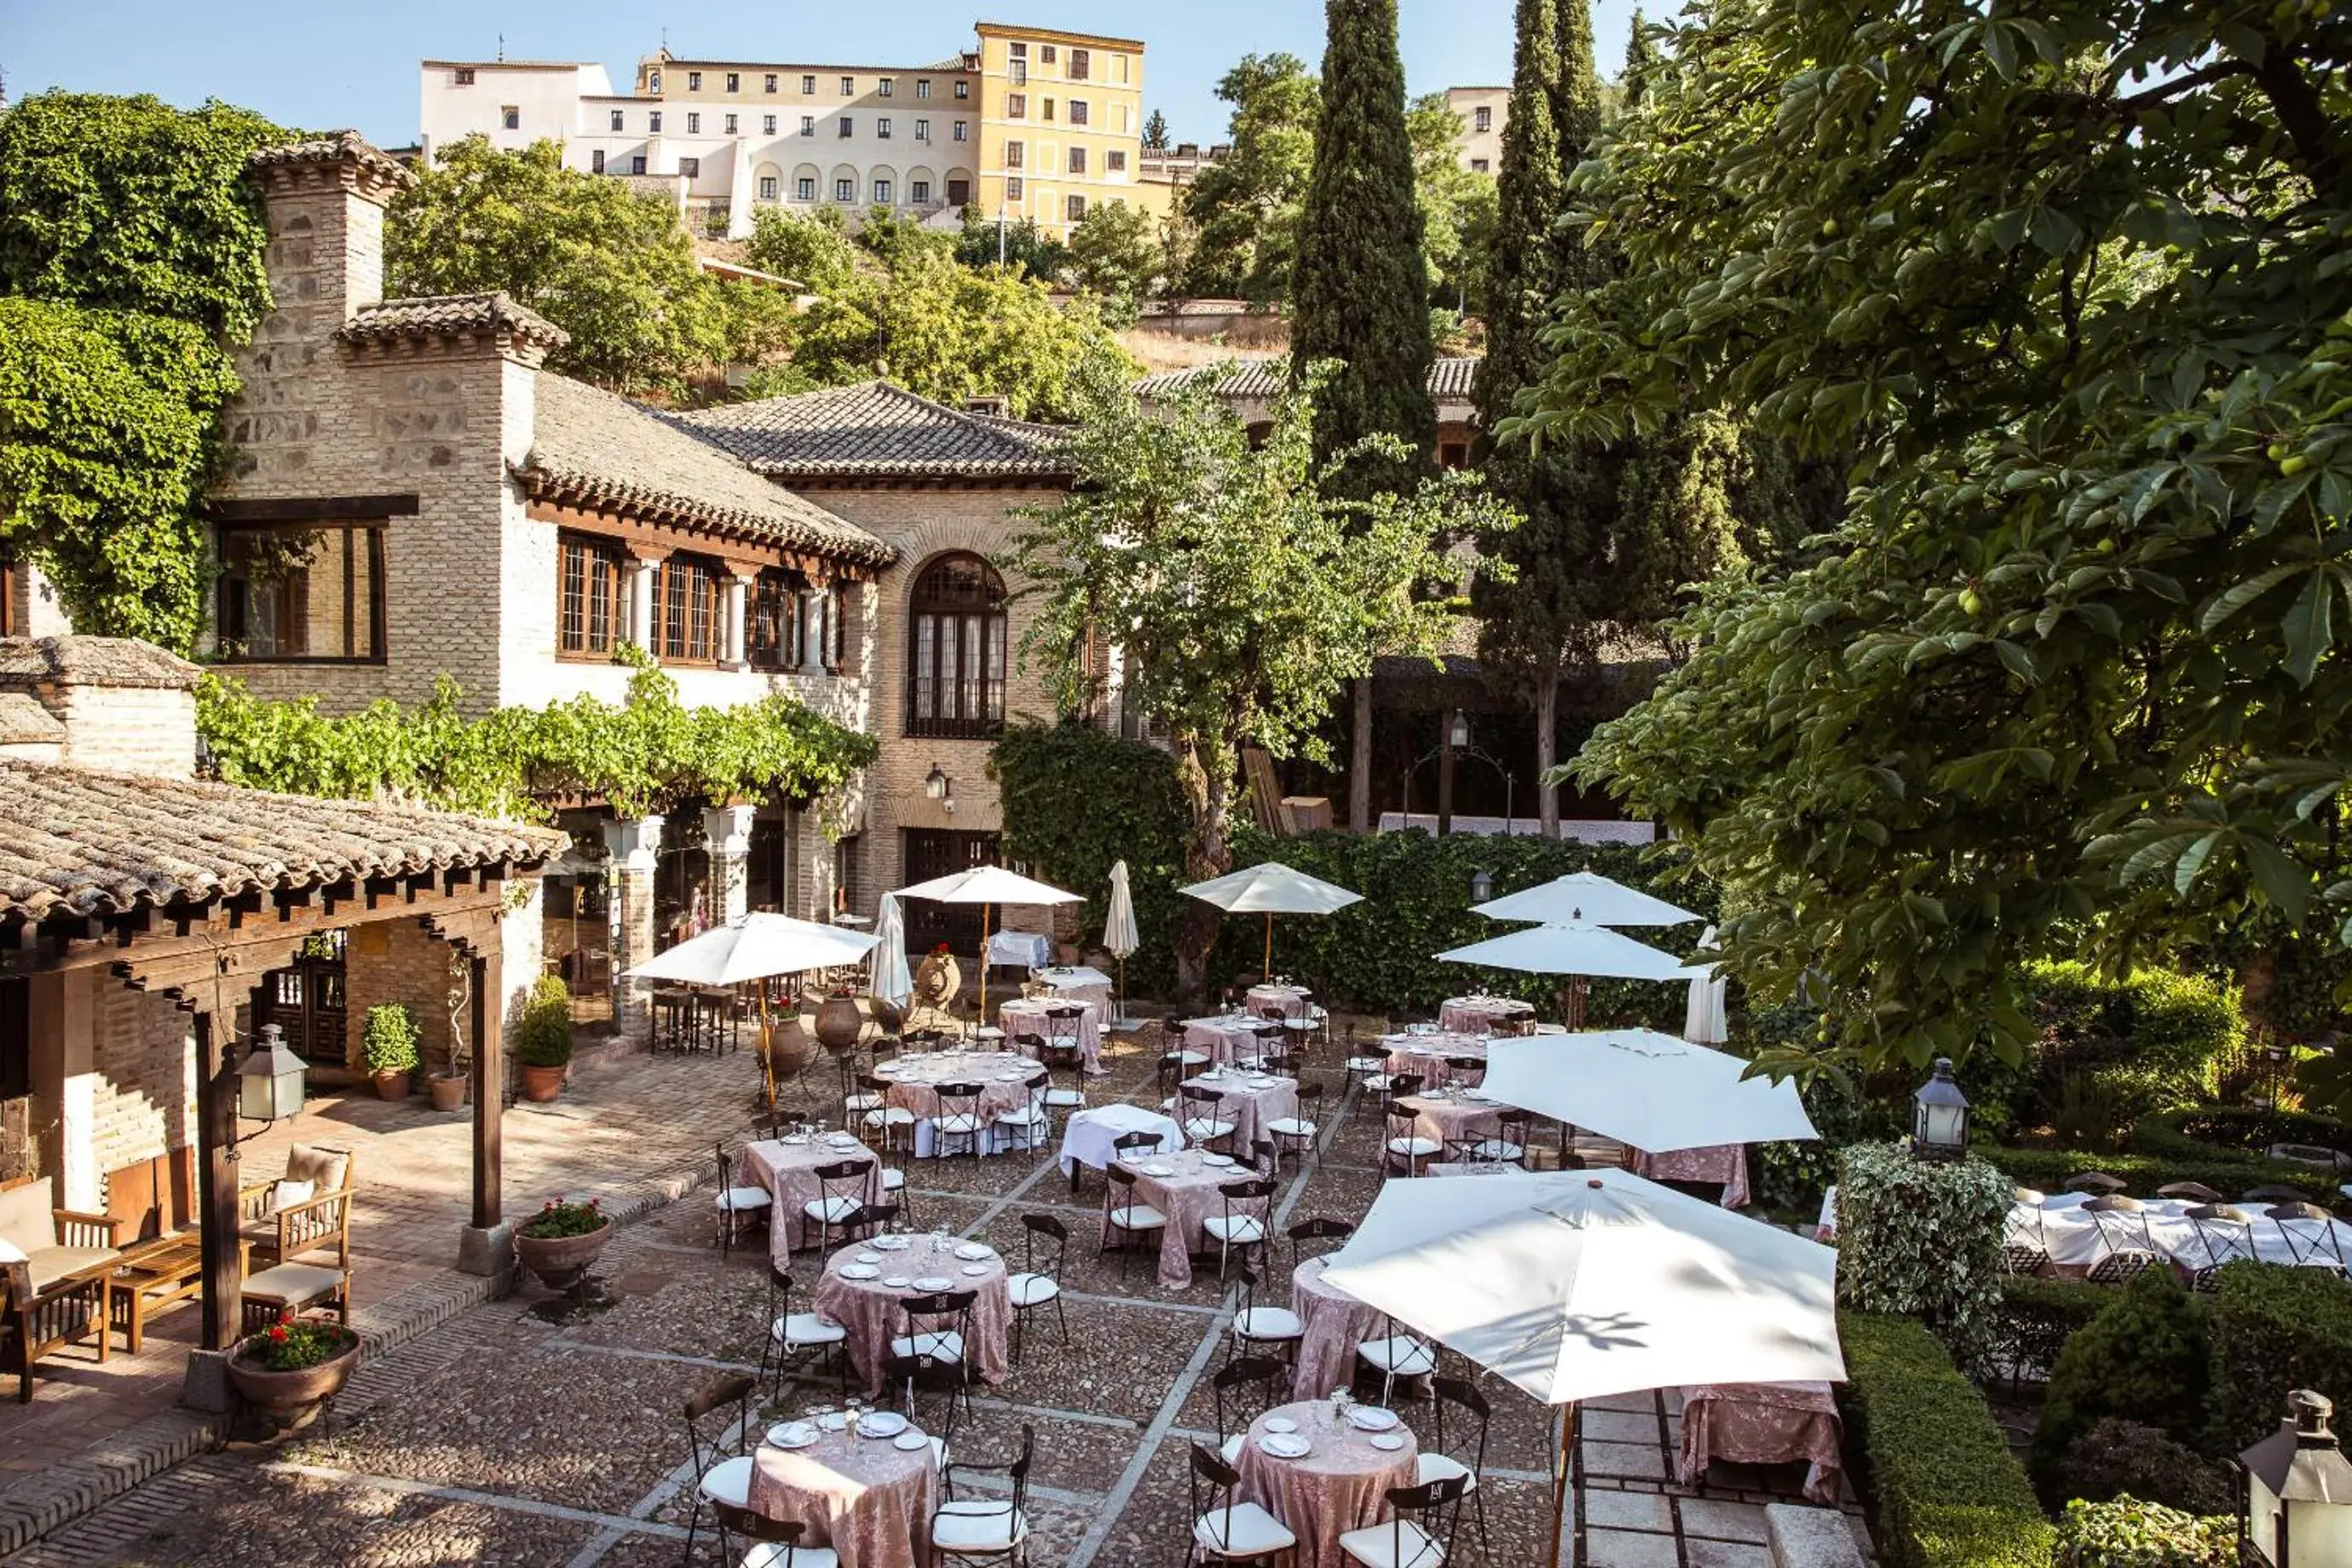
x,y
647,753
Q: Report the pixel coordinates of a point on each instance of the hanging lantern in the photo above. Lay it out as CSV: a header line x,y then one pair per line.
x,y
1939,1126
270,1082
2295,1509
1482,885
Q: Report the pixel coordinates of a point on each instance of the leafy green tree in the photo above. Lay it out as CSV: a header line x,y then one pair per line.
x,y
1114,254
1247,597
2065,286
1245,207
1155,132
1022,246
1457,206
894,237
811,248
613,268
1640,63
130,264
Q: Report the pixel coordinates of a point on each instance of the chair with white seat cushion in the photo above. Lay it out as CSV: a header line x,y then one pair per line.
x,y
1459,1405
1203,1121
1257,1327
841,1195
775,1542
959,1117
1027,1125
892,1126
1394,1355
937,1326
719,1477
1225,1529
1234,1413
1241,1224
1420,1530
1306,1232
1294,1134
1038,1284
985,1529
793,1337
1128,1225
1406,1144
1506,1145
738,1204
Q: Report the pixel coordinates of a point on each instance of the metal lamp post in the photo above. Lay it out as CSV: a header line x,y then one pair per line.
x,y
2294,1510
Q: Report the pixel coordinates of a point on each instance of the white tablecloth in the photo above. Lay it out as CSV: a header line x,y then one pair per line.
x,y
2073,1237
1029,949
1086,1137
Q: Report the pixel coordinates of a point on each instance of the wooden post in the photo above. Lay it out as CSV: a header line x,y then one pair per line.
x,y
489,1085
217,1216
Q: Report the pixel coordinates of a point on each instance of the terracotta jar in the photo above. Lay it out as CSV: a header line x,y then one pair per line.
x,y
541,1085
839,1024
287,1394
392,1086
559,1261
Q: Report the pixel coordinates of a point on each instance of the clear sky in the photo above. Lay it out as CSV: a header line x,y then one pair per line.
x,y
335,63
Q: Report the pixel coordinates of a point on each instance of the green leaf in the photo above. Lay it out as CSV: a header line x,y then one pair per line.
x,y
2309,626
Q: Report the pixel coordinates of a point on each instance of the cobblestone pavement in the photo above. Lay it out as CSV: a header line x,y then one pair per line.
x,y
503,1437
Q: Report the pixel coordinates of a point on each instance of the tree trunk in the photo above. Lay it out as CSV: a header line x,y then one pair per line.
x,y
1548,748
1359,760
1208,852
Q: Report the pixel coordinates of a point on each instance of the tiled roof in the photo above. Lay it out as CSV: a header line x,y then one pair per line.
x,y
337,147
78,842
91,661
876,430
589,444
452,313
1449,378
23,720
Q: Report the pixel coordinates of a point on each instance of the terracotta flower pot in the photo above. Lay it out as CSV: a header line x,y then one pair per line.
x,y
559,1261
838,1022
392,1086
541,1085
286,1394
447,1089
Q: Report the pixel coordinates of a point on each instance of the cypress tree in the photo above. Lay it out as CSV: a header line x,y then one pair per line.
x,y
1640,59
1358,289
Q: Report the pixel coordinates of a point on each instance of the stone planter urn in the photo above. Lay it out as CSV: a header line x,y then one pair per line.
x,y
560,1261
839,1024
447,1089
541,1085
286,1394
392,1086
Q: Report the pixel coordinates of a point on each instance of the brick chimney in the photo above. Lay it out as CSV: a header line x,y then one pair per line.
x,y
115,703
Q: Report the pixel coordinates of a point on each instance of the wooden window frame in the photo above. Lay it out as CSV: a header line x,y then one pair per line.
x,y
689,619
957,650
773,601
342,514
576,556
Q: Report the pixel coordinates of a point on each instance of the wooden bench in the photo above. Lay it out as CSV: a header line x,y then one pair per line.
x,y
53,1288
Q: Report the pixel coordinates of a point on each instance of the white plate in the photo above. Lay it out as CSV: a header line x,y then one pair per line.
x,y
858,1271
1157,1170
910,1440
1280,1424
1371,1418
974,1270
881,1423
834,1420
868,1257
1218,1160
933,1282
973,1252
897,1282
890,1243
1286,1445
792,1434
1387,1442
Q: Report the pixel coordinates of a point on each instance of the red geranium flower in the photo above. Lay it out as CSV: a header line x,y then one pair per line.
x,y
278,1332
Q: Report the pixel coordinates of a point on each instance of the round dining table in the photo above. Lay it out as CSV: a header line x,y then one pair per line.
x,y
1334,1324
1249,1100
1483,1015
1454,1115
1003,1077
1340,1484
865,1285
869,1499
1271,1001
1430,1053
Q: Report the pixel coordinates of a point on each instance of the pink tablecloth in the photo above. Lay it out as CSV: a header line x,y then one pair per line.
x,y
1479,1014
1002,1076
1279,1001
1336,1323
1426,1054
1341,1484
1247,1106
1188,1196
875,1312
1764,1424
1724,1163
870,1502
1025,1025
1449,1119
788,1171
1222,1039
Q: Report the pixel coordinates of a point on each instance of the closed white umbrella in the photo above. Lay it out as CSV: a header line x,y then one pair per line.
x,y
1578,1285
891,981
1270,889
1573,949
1645,1089
1703,1019
1585,898
987,886
1119,934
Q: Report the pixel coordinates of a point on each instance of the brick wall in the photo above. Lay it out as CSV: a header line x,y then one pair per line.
x,y
144,1060
147,730
397,961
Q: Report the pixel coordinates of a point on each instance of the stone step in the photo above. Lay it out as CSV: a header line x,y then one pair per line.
x,y
1805,1537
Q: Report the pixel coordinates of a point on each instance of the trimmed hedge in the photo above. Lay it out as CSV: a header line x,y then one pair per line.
x,y
1949,1493
2199,1133
2128,1533
2037,1317
2144,1358
2046,1170
2273,1329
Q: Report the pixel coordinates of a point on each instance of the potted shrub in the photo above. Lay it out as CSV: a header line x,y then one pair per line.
x,y
561,1242
292,1365
390,1044
544,1040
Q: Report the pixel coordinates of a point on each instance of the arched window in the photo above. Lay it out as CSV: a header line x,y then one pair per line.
x,y
955,649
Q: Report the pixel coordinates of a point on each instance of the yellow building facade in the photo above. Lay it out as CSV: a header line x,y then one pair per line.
x,y
1061,125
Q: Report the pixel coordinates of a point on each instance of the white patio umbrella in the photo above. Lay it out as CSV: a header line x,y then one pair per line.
x,y
1119,934
1645,1089
892,984
988,885
1577,1285
1585,898
755,946
1270,889
1576,949
1704,1022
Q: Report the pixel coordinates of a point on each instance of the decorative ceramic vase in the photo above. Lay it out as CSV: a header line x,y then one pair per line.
x,y
392,1086
447,1089
938,979
541,1085
838,1022
289,1393
559,1261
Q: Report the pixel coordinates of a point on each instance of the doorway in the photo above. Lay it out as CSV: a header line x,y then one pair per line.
x,y
943,852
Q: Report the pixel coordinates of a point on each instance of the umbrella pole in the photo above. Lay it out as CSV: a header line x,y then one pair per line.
x,y
1122,988
1560,1500
767,1052
1266,969
984,965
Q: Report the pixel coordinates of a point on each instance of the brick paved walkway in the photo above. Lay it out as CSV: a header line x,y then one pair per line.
x,y
501,1437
